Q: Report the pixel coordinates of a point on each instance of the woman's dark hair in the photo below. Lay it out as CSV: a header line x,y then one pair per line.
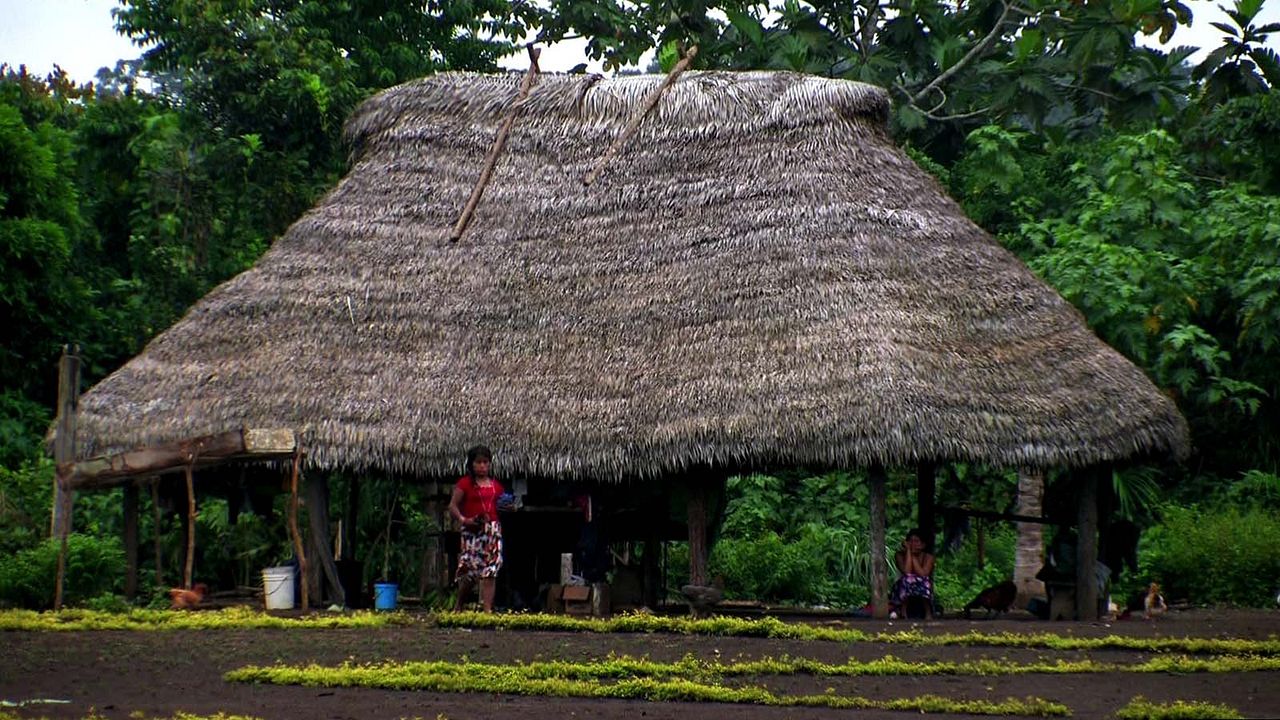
x,y
915,532
477,453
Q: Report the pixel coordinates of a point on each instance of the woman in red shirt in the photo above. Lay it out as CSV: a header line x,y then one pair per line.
x,y
475,505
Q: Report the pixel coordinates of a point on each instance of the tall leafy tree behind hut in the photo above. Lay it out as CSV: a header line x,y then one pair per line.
x,y
1050,65
272,81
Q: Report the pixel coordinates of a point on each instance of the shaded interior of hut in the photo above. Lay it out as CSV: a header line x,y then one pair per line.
x,y
607,540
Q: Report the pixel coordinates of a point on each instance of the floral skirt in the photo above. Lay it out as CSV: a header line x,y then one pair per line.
x,y
911,586
481,555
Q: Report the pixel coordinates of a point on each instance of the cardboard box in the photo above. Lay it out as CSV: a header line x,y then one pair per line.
x,y
576,593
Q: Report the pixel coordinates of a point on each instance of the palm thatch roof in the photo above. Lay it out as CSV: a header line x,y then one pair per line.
x,y
759,278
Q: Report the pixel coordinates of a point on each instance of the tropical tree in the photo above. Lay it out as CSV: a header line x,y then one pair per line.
x,y
1243,65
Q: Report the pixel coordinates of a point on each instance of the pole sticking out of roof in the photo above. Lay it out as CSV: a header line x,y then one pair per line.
x,y
649,103
499,142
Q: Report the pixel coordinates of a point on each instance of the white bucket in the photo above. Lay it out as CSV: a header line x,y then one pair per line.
x,y
277,587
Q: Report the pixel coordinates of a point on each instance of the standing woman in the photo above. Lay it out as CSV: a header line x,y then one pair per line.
x,y
475,505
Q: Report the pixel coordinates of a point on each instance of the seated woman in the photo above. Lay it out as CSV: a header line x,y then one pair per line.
x,y
915,578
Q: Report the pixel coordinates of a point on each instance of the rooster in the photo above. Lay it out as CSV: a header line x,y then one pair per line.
x,y
1153,604
184,599
995,599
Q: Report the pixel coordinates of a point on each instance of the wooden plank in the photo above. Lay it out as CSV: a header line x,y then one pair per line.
x,y
269,441
879,568
1011,517
116,469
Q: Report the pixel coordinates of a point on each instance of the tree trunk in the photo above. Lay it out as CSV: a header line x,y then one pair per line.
x,y
879,568
325,569
1029,557
697,521
1087,546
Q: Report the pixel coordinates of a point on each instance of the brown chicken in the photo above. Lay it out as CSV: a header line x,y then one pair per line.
x,y
184,599
995,599
1153,604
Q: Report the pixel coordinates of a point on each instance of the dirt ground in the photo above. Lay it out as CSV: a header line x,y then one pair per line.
x,y
159,673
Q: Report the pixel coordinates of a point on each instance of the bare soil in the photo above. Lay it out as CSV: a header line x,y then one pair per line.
x,y
116,673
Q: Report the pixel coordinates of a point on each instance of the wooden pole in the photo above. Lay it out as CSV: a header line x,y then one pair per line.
x,y
155,535
697,517
1087,546
1030,550
318,523
191,525
64,532
645,108
879,568
491,159
294,532
982,544
64,440
64,451
130,541
926,492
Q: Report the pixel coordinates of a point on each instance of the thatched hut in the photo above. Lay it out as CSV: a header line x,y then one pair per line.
x,y
759,278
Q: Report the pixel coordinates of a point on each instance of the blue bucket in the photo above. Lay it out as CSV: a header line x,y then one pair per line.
x,y
385,595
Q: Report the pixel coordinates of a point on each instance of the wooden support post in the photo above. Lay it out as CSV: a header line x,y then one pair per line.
x,y
879,568
64,451
435,570
926,492
318,523
697,517
130,541
1087,546
191,525
1029,557
294,532
156,531
64,439
982,544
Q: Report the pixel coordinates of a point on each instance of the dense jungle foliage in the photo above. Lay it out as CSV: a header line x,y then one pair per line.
x,y
1142,183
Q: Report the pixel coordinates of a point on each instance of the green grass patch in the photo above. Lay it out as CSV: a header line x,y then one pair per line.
x,y
246,618
1140,709
775,628
715,671
236,618
566,680
178,715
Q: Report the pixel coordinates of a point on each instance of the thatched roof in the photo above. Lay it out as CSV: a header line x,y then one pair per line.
x,y
759,278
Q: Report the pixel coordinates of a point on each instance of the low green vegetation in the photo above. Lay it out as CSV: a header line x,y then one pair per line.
x,y
237,618
1140,708
179,715
246,618
544,681
715,671
774,628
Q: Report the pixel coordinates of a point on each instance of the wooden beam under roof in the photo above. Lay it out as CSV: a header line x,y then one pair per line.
x,y
105,471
